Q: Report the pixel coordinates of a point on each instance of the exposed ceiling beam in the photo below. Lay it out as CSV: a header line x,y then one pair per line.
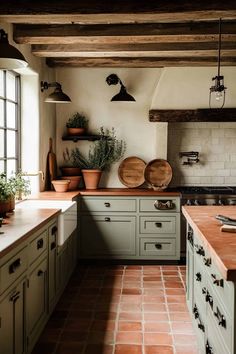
x,y
123,33
117,62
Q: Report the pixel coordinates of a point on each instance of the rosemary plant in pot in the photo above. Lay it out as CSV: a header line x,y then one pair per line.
x,y
102,154
77,124
70,168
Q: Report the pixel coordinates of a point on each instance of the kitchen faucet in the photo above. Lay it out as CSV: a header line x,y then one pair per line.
x,y
34,174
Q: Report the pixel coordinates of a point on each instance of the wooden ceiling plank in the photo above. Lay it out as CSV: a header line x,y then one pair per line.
x,y
136,62
65,34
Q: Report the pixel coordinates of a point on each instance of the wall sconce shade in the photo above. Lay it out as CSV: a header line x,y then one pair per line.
x,y
218,87
10,57
58,96
123,95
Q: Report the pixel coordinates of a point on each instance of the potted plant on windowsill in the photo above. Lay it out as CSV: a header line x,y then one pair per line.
x,y
102,154
77,124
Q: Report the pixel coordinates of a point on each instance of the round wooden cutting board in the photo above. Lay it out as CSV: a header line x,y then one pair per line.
x,y
158,174
131,172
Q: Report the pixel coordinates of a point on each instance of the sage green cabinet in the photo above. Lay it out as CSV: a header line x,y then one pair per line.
x,y
12,320
109,235
36,302
132,227
52,265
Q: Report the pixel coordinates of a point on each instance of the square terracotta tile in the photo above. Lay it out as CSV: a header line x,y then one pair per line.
x,y
175,292
131,291
105,315
103,325
176,299
129,307
153,291
159,349
128,349
154,307
173,284
73,336
129,337
156,327
134,299
152,278
186,349
130,326
157,339
154,299
156,316
130,316
177,307
184,339
102,337
182,327
180,316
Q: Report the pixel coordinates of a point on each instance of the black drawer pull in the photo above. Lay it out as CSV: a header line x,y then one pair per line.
x,y
158,224
220,317
54,230
53,245
198,276
164,204
200,250
40,243
201,327
158,246
40,272
204,290
107,219
217,282
13,267
208,349
207,261
195,311
209,299
107,205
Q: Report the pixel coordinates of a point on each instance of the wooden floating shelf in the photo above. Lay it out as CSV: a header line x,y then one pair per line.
x,y
194,115
75,138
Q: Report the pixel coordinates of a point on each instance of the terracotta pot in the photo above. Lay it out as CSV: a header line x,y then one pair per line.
x,y
70,171
12,203
75,131
61,186
4,207
91,178
74,182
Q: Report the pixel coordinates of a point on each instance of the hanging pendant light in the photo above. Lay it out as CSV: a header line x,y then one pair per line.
x,y
10,57
218,88
123,95
58,96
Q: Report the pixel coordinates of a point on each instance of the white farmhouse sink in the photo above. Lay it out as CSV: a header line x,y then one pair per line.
x,y
67,219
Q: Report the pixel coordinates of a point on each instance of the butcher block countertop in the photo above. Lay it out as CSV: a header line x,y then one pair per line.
x,y
21,224
220,245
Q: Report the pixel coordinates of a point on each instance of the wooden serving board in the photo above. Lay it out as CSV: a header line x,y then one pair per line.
x,y
228,228
158,174
131,172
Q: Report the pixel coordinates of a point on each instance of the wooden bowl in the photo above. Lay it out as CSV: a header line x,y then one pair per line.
x,y
61,185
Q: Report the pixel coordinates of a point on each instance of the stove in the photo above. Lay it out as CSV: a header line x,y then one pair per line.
x,y
204,195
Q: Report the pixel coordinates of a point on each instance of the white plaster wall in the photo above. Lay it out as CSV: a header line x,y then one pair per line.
x,y
38,117
91,95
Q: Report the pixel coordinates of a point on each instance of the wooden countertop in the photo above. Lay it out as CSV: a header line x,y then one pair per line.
x,y
221,245
21,224
104,191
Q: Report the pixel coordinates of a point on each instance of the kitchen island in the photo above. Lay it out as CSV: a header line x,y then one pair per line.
x,y
211,277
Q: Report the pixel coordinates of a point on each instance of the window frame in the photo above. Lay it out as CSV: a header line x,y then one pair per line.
x,y
17,128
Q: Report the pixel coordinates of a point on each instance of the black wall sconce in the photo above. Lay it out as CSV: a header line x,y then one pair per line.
x,y
10,57
123,95
219,87
58,96
192,157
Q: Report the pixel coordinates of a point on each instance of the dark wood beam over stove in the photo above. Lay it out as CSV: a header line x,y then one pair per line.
x,y
195,115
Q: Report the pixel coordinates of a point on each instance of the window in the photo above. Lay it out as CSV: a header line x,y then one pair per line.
x,y
9,122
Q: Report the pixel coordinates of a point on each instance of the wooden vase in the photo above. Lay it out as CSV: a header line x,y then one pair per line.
x,y
91,178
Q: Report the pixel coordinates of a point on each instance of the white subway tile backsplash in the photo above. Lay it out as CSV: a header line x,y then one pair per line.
x,y
230,133
217,133
233,172
217,180
230,165
230,181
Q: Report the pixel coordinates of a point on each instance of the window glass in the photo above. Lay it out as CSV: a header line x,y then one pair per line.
x,y
11,167
1,113
11,86
11,143
1,143
1,166
1,83
11,115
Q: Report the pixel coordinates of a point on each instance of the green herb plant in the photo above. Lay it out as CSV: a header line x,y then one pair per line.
x,y
77,121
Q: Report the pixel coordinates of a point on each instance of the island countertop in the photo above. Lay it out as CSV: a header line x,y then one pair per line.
x,y
220,245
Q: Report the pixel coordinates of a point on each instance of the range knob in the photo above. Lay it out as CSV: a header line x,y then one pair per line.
x,y
221,202
196,202
189,202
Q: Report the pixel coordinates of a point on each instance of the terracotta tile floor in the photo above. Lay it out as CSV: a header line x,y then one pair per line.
x,y
121,310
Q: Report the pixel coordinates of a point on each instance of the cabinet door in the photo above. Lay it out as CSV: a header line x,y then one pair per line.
x,y
189,277
108,235
36,300
52,260
12,325
62,266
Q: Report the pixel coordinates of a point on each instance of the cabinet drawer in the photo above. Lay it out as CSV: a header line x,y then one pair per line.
x,y
108,204
157,225
214,340
157,246
37,246
159,204
12,269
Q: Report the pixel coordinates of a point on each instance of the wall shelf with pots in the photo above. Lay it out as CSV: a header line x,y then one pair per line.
x,y
75,138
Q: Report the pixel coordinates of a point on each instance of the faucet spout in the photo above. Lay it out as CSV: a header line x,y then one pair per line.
x,y
35,174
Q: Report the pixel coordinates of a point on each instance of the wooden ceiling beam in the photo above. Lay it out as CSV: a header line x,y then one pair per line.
x,y
123,33
117,62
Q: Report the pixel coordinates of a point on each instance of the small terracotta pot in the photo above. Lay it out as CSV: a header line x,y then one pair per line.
x,y
91,178
12,203
61,185
70,171
4,207
74,182
75,131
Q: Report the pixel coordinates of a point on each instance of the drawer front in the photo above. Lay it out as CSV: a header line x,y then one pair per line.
x,y
199,325
37,246
221,320
157,246
214,340
108,204
12,269
157,225
159,204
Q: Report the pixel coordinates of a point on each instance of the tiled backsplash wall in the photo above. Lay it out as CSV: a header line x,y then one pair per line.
x,y
216,144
